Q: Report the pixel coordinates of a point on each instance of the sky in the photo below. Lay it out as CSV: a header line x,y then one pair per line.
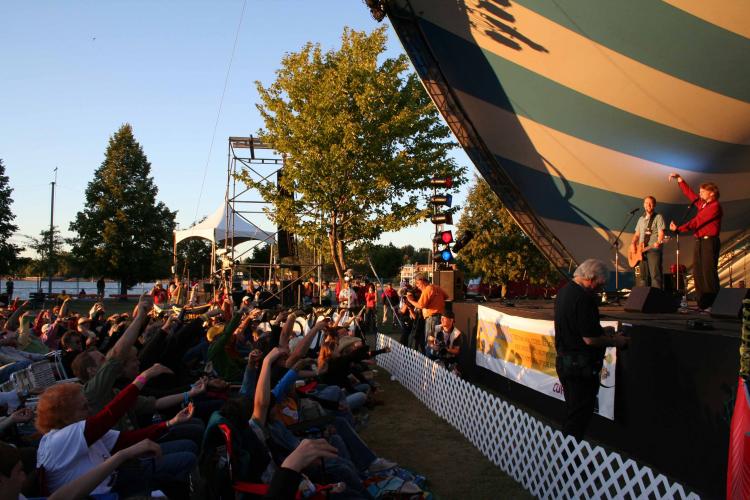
x,y
73,72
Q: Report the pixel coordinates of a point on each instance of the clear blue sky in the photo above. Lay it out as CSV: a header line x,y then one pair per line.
x,y
74,71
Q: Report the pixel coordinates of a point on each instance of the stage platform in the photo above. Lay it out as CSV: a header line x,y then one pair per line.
x,y
674,394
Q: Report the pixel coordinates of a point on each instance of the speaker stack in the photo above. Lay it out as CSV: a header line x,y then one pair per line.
x,y
651,300
451,282
728,303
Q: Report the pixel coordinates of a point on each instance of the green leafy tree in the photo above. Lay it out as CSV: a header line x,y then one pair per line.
x,y
123,232
500,252
47,262
362,140
8,251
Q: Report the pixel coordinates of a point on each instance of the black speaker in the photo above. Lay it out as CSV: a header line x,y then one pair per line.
x,y
728,303
451,282
651,300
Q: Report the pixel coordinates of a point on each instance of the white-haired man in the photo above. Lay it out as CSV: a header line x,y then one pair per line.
x,y
580,341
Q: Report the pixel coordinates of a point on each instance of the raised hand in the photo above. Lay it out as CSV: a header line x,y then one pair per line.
x,y
22,415
156,370
183,416
308,451
198,389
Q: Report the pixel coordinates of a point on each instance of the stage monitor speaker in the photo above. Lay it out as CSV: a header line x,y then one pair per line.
x,y
451,282
651,300
728,303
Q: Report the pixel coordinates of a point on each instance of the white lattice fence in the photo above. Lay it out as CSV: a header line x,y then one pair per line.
x,y
547,463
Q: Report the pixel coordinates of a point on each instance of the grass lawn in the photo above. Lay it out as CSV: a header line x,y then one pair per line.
x,y
404,430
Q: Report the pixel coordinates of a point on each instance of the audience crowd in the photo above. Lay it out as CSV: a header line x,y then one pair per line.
x,y
203,398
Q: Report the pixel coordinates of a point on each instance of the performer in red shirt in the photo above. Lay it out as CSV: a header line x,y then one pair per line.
x,y
706,226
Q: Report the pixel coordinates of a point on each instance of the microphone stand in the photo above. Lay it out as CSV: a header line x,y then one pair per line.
x,y
616,247
683,302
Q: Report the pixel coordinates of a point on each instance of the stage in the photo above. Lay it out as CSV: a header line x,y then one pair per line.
x,y
674,391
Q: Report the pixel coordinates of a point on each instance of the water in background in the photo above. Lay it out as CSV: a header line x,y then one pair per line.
x,y
22,288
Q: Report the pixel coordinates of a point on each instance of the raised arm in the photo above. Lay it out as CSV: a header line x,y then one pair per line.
x,y
64,308
263,389
123,345
82,486
300,351
13,321
286,331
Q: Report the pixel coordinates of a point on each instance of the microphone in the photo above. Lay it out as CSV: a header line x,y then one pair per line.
x,y
634,210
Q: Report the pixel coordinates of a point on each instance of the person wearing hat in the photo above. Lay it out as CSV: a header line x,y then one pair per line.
x,y
432,304
444,344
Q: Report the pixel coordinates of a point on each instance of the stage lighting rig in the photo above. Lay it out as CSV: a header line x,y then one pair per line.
x,y
443,237
462,241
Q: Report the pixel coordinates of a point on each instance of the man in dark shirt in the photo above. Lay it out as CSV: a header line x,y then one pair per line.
x,y
580,342
706,226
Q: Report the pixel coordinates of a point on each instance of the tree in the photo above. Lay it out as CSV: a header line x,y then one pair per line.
x,y
500,251
362,140
46,263
123,232
8,251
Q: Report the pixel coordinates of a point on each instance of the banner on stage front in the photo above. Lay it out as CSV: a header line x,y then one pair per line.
x,y
523,349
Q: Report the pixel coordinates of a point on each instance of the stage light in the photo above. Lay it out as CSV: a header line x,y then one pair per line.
x,y
444,256
444,218
442,199
444,237
463,240
445,182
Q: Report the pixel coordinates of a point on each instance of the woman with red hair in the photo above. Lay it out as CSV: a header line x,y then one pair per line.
x,y
75,442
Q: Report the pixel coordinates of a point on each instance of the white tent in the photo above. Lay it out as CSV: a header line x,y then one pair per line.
x,y
214,229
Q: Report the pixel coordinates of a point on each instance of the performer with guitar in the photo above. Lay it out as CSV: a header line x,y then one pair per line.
x,y
645,248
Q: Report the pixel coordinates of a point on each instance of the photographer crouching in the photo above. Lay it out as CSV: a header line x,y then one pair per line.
x,y
444,342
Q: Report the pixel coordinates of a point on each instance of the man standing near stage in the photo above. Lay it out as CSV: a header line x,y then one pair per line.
x,y
580,342
706,226
649,231
432,304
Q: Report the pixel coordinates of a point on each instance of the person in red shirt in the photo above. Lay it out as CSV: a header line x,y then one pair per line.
x,y
371,301
159,294
390,302
706,226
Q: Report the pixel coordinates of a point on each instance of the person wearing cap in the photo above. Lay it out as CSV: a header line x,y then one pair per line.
x,y
445,342
432,304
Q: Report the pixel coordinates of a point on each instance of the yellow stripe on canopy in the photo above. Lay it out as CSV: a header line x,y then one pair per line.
x,y
731,15
525,141
578,63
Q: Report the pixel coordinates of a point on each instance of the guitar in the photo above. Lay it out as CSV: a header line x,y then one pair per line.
x,y
635,255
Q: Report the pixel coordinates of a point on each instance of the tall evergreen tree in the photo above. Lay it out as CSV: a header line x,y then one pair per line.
x,y
500,251
8,251
123,232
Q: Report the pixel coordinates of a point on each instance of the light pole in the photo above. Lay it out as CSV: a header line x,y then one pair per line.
x,y
51,235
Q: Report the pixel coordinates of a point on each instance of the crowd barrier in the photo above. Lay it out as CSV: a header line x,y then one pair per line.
x,y
543,460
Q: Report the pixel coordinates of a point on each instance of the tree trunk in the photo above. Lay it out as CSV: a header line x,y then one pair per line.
x,y
123,289
334,245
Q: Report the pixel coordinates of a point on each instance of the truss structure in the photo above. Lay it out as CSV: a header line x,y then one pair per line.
x,y
262,164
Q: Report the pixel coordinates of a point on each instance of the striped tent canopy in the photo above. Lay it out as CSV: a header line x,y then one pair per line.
x,y
575,110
